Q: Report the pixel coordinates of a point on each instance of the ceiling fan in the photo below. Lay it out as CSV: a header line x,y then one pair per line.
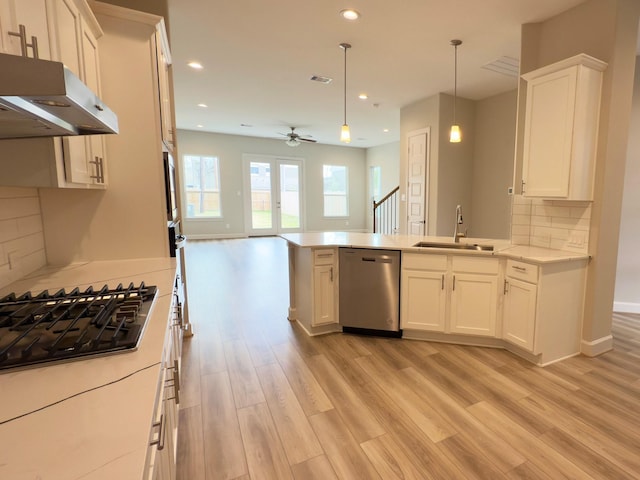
x,y
293,139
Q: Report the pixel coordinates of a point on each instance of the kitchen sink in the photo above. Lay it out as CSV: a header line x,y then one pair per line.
x,y
455,246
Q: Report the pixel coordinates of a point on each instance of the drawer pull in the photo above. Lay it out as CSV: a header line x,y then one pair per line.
x,y
324,255
519,269
161,432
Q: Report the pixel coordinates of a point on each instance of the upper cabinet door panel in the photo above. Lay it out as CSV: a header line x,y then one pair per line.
x,y
547,157
37,22
561,129
67,18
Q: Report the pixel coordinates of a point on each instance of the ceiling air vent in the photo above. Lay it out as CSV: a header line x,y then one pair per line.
x,y
505,65
321,79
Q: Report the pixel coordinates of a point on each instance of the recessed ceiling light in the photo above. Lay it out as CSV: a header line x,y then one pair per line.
x,y
200,126
203,105
350,14
363,96
386,130
246,125
195,65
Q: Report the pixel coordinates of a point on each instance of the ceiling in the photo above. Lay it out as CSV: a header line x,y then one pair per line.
x,y
258,58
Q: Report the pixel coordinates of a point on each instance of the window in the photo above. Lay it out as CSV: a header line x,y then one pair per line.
x,y
335,191
202,186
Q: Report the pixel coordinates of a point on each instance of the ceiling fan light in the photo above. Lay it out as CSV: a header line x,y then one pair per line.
x,y
292,142
455,135
345,134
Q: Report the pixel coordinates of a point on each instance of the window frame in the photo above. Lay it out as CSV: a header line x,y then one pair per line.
x,y
201,190
346,192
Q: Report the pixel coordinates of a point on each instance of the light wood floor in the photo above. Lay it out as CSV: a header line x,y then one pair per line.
x,y
262,400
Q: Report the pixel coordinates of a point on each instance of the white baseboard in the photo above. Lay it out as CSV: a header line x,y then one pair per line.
x,y
626,307
596,347
213,236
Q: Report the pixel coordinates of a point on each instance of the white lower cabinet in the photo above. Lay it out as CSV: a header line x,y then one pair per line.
x,y
474,295
163,443
543,309
519,314
423,296
324,287
449,293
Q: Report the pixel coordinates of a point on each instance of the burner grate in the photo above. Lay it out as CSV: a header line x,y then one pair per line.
x,y
65,325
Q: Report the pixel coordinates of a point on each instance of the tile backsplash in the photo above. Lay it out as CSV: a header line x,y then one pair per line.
x,y
559,224
21,235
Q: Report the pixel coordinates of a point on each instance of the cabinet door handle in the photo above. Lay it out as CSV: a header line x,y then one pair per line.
x,y
506,287
523,184
442,283
161,432
176,380
331,274
22,35
454,282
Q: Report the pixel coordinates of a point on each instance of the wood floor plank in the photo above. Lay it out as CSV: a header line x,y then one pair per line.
x,y
473,464
544,457
354,411
298,439
342,449
266,458
244,380
425,417
190,448
499,452
210,351
584,457
318,468
308,391
190,394
527,471
224,454
389,459
609,448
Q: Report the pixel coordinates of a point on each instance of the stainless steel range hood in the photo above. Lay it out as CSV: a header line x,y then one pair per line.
x,y
41,98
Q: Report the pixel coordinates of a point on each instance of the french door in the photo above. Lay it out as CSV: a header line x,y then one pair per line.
x,y
273,194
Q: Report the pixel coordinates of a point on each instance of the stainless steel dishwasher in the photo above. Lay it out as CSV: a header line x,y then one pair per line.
x,y
369,300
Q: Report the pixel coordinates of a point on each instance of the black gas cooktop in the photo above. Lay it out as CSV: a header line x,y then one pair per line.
x,y
42,328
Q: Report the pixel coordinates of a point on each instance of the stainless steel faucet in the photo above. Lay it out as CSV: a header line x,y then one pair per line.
x,y
457,235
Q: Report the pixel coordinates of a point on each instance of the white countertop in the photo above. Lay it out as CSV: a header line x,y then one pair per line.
x,y
502,248
89,418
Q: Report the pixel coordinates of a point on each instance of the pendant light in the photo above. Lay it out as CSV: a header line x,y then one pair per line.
x,y
345,134
455,135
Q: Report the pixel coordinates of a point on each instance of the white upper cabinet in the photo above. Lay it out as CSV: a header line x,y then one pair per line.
x,y
67,32
22,21
561,129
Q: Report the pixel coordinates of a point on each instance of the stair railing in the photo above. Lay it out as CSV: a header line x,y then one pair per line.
x,y
385,213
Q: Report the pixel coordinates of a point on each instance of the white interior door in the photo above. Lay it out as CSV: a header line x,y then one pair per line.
x,y
417,182
273,194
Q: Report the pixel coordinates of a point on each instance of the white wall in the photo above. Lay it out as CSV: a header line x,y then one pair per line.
x,y
21,236
493,165
627,293
387,157
230,148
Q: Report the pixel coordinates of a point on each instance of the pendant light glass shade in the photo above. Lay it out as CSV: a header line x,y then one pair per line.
x,y
455,134
345,134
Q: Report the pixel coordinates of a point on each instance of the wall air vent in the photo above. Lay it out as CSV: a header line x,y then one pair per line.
x,y
321,79
505,65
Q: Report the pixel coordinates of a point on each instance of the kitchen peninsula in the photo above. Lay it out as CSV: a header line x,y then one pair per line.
x,y
528,300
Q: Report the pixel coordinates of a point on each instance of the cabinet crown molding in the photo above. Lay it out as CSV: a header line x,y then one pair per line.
x,y
581,59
